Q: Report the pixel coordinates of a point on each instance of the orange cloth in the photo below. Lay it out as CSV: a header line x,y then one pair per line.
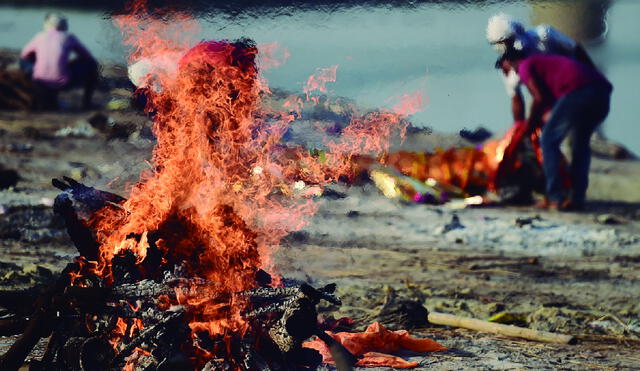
x,y
375,344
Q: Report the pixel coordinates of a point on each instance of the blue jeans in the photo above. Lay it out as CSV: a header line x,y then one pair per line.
x,y
580,112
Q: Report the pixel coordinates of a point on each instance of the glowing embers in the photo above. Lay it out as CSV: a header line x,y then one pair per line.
x,y
154,325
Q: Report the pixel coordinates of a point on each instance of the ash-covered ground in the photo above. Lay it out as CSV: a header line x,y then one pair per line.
x,y
573,273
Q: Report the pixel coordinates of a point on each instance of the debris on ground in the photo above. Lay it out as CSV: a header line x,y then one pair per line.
x,y
604,147
610,219
13,276
80,130
375,345
17,92
112,128
522,221
8,178
477,135
452,225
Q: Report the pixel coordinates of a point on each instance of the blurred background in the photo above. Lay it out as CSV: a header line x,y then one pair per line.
x,y
386,48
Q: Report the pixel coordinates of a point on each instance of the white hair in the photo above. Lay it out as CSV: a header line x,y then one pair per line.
x,y
501,27
145,72
139,71
55,21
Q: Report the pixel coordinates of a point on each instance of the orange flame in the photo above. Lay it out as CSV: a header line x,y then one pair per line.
x,y
222,191
319,80
272,55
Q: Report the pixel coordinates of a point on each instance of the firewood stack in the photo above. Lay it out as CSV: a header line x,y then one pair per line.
x,y
132,323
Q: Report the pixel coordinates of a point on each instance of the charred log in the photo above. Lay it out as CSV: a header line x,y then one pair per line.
x,y
77,204
40,324
146,335
124,268
137,315
86,354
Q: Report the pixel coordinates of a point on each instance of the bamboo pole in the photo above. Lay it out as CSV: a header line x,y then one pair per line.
x,y
498,328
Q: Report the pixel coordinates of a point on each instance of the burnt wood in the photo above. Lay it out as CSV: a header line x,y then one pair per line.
x,y
77,204
82,320
40,324
146,334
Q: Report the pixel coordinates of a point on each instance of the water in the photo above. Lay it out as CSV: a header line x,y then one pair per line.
x,y
384,51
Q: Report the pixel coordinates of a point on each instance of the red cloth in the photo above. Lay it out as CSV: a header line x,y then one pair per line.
x,y
210,52
216,53
375,344
560,74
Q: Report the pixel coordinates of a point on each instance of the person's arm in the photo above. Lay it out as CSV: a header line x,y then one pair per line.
x,y
517,106
29,50
512,86
79,49
540,97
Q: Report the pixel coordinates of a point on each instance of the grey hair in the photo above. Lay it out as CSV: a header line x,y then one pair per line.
x,y
55,21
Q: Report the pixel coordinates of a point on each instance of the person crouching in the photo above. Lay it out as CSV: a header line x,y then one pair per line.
x,y
578,97
47,57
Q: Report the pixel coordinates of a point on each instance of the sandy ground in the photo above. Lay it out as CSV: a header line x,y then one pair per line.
x,y
570,273
564,274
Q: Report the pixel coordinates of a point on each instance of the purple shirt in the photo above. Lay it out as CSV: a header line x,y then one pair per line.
x,y
561,75
52,50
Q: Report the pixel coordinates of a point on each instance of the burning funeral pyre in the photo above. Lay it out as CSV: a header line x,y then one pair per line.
x,y
175,275
507,170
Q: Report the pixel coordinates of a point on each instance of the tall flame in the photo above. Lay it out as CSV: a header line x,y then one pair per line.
x,y
222,190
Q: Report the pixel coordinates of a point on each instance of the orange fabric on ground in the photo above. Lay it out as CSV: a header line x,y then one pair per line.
x,y
374,345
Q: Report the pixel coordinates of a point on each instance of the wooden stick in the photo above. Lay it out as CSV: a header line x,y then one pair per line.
x,y
343,358
37,328
498,328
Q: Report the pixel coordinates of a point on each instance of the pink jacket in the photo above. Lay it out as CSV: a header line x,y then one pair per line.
x,y
52,50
